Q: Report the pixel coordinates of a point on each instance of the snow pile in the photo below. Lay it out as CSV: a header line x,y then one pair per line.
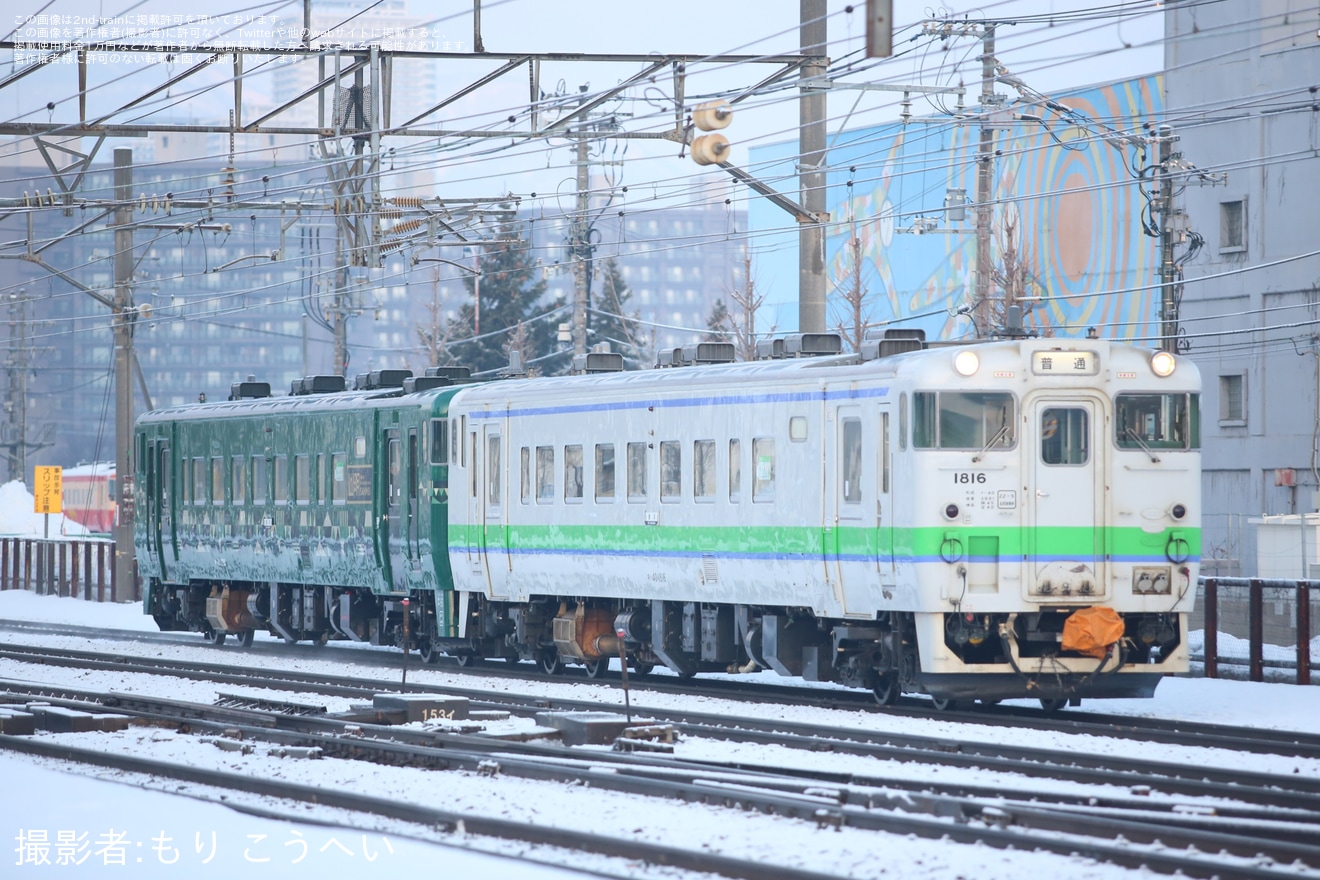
x,y
17,518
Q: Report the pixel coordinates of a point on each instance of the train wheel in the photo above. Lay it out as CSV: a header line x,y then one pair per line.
x,y
946,704
244,638
642,668
988,703
1053,705
428,653
550,662
467,661
215,637
887,690
597,668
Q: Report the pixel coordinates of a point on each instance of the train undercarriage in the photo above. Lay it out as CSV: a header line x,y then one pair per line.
x,y
985,657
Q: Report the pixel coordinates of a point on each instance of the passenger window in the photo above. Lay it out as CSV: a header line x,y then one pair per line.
x,y
525,475
850,466
302,479
902,421
763,461
259,488
217,480
454,446
199,480
338,479
703,469
604,471
494,491
636,471
572,473
394,465
439,441
545,474
735,471
1065,436
238,478
884,452
322,490
671,470
281,478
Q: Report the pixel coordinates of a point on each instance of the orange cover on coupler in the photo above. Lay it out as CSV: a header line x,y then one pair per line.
x,y
1092,630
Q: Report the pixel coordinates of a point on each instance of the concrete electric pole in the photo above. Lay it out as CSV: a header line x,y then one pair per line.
x,y
121,316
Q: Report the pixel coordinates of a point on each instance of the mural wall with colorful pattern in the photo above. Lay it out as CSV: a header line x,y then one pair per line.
x,y
1070,206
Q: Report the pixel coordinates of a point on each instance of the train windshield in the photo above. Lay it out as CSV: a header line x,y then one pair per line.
x,y
1157,421
963,420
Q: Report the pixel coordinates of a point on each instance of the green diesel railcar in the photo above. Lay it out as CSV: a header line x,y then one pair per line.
x,y
312,516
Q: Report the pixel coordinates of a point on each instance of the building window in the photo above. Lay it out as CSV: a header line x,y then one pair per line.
x,y
1233,226
1232,400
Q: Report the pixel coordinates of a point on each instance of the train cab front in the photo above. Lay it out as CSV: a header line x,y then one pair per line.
x,y
1054,654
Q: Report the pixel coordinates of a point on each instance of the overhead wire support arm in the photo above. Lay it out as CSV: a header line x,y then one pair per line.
x,y
778,199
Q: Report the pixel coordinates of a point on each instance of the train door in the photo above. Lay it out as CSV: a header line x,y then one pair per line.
x,y
884,500
413,490
851,541
390,529
1065,499
492,498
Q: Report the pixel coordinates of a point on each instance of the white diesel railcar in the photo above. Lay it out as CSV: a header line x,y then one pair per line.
x,y
915,519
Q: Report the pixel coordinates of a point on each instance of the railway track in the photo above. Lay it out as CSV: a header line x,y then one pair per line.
x,y
1180,839
1249,740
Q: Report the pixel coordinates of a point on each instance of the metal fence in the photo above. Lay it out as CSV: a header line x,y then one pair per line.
x,y
60,567
1225,602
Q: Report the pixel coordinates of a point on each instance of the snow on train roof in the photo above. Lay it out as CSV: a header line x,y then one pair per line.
x,y
332,401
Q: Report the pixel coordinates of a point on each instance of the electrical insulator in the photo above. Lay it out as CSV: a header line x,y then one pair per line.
x,y
712,115
710,149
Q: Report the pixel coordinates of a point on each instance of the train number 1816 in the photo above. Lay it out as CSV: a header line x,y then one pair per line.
x,y
965,477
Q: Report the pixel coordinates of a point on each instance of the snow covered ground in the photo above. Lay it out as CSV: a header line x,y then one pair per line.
x,y
166,834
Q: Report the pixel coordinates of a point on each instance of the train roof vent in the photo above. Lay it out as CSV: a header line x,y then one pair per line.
x,y
668,357
769,349
454,374
708,353
887,341
317,385
597,362
413,384
249,390
377,379
812,344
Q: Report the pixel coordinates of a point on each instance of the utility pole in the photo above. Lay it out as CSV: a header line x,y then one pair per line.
x,y
121,315
16,365
581,244
985,159
1170,235
811,173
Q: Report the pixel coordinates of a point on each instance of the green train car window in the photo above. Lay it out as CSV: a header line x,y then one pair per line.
x,y
281,479
199,480
338,479
259,489
217,480
302,479
238,479
439,441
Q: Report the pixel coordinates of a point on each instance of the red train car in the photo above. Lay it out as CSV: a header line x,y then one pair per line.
x,y
88,496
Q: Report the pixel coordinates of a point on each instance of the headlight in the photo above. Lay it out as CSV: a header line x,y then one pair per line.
x,y
1162,363
966,363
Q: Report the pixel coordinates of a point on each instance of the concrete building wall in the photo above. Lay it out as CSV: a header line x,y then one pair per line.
x,y
1239,81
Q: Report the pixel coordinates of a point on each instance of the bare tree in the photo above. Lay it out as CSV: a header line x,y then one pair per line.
x,y
855,318
1013,276
434,333
738,324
